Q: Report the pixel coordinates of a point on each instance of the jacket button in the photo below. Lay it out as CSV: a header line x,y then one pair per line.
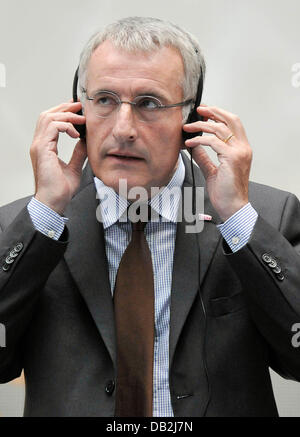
x,y
5,267
110,386
280,277
277,269
272,264
267,258
13,254
9,259
18,247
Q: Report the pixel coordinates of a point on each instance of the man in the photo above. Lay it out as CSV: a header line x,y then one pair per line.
x,y
220,320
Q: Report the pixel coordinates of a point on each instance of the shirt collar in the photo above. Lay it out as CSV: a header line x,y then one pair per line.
x,y
165,202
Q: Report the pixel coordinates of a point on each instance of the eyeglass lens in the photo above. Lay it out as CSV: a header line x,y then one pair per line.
x,y
146,107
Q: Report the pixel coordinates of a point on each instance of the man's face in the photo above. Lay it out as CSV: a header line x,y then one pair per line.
x,y
156,143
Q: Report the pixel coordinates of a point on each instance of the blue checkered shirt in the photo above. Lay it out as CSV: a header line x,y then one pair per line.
x,y
160,236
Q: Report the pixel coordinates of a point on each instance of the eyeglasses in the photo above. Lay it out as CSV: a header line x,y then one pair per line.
x,y
147,108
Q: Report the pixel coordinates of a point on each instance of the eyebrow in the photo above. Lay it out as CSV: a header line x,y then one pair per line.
x,y
153,94
148,92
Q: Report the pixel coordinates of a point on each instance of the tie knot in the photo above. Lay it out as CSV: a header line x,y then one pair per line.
x,y
140,224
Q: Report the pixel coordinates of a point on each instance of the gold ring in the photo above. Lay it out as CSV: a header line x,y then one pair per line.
x,y
228,138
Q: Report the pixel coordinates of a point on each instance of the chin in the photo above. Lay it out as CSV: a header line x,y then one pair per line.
x,y
117,181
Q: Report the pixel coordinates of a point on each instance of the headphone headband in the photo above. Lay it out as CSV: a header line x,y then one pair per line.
x,y
193,115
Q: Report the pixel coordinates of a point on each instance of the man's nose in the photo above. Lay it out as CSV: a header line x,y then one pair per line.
x,y
125,123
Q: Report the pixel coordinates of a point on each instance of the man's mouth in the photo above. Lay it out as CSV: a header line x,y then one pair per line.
x,y
124,157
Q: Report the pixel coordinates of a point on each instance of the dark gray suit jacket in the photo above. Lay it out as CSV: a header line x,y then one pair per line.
x,y
56,304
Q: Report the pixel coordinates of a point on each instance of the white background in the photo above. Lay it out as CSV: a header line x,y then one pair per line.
x,y
250,48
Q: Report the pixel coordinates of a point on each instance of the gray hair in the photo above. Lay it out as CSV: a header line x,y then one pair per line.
x,y
147,34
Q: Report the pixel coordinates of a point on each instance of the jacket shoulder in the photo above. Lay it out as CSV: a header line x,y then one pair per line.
x,y
10,211
269,202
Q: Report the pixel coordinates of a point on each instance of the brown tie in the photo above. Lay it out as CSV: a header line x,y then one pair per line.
x,y
134,318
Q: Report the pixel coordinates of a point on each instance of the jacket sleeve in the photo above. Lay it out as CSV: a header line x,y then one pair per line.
x,y
269,270
27,258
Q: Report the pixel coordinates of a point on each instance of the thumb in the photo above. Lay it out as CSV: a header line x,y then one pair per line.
x,y
79,155
201,157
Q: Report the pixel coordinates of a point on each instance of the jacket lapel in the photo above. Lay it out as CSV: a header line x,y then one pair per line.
x,y
184,282
210,235
188,270
86,259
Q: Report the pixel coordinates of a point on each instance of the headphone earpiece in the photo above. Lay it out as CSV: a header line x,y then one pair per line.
x,y
79,127
193,115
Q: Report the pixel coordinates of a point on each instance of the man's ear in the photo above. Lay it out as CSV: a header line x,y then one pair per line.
x,y
83,105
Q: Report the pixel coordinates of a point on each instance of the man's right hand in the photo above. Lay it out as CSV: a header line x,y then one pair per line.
x,y
56,181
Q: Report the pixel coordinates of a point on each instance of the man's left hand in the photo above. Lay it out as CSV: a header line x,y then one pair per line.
x,y
227,184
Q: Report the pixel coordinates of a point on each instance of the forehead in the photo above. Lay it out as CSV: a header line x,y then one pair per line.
x,y
161,69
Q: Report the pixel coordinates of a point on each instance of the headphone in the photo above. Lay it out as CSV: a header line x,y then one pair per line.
x,y
79,127
192,117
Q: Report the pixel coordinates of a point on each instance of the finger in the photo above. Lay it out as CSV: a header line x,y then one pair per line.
x,y
205,163
217,114
72,100
47,118
65,116
209,140
79,155
210,113
70,106
204,118
57,127
218,129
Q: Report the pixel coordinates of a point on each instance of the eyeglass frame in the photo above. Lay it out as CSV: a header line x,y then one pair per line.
x,y
174,105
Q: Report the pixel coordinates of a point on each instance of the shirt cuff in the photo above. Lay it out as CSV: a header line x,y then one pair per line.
x,y
45,220
237,230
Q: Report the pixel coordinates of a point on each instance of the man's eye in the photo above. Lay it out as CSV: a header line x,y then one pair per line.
x,y
105,101
149,104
